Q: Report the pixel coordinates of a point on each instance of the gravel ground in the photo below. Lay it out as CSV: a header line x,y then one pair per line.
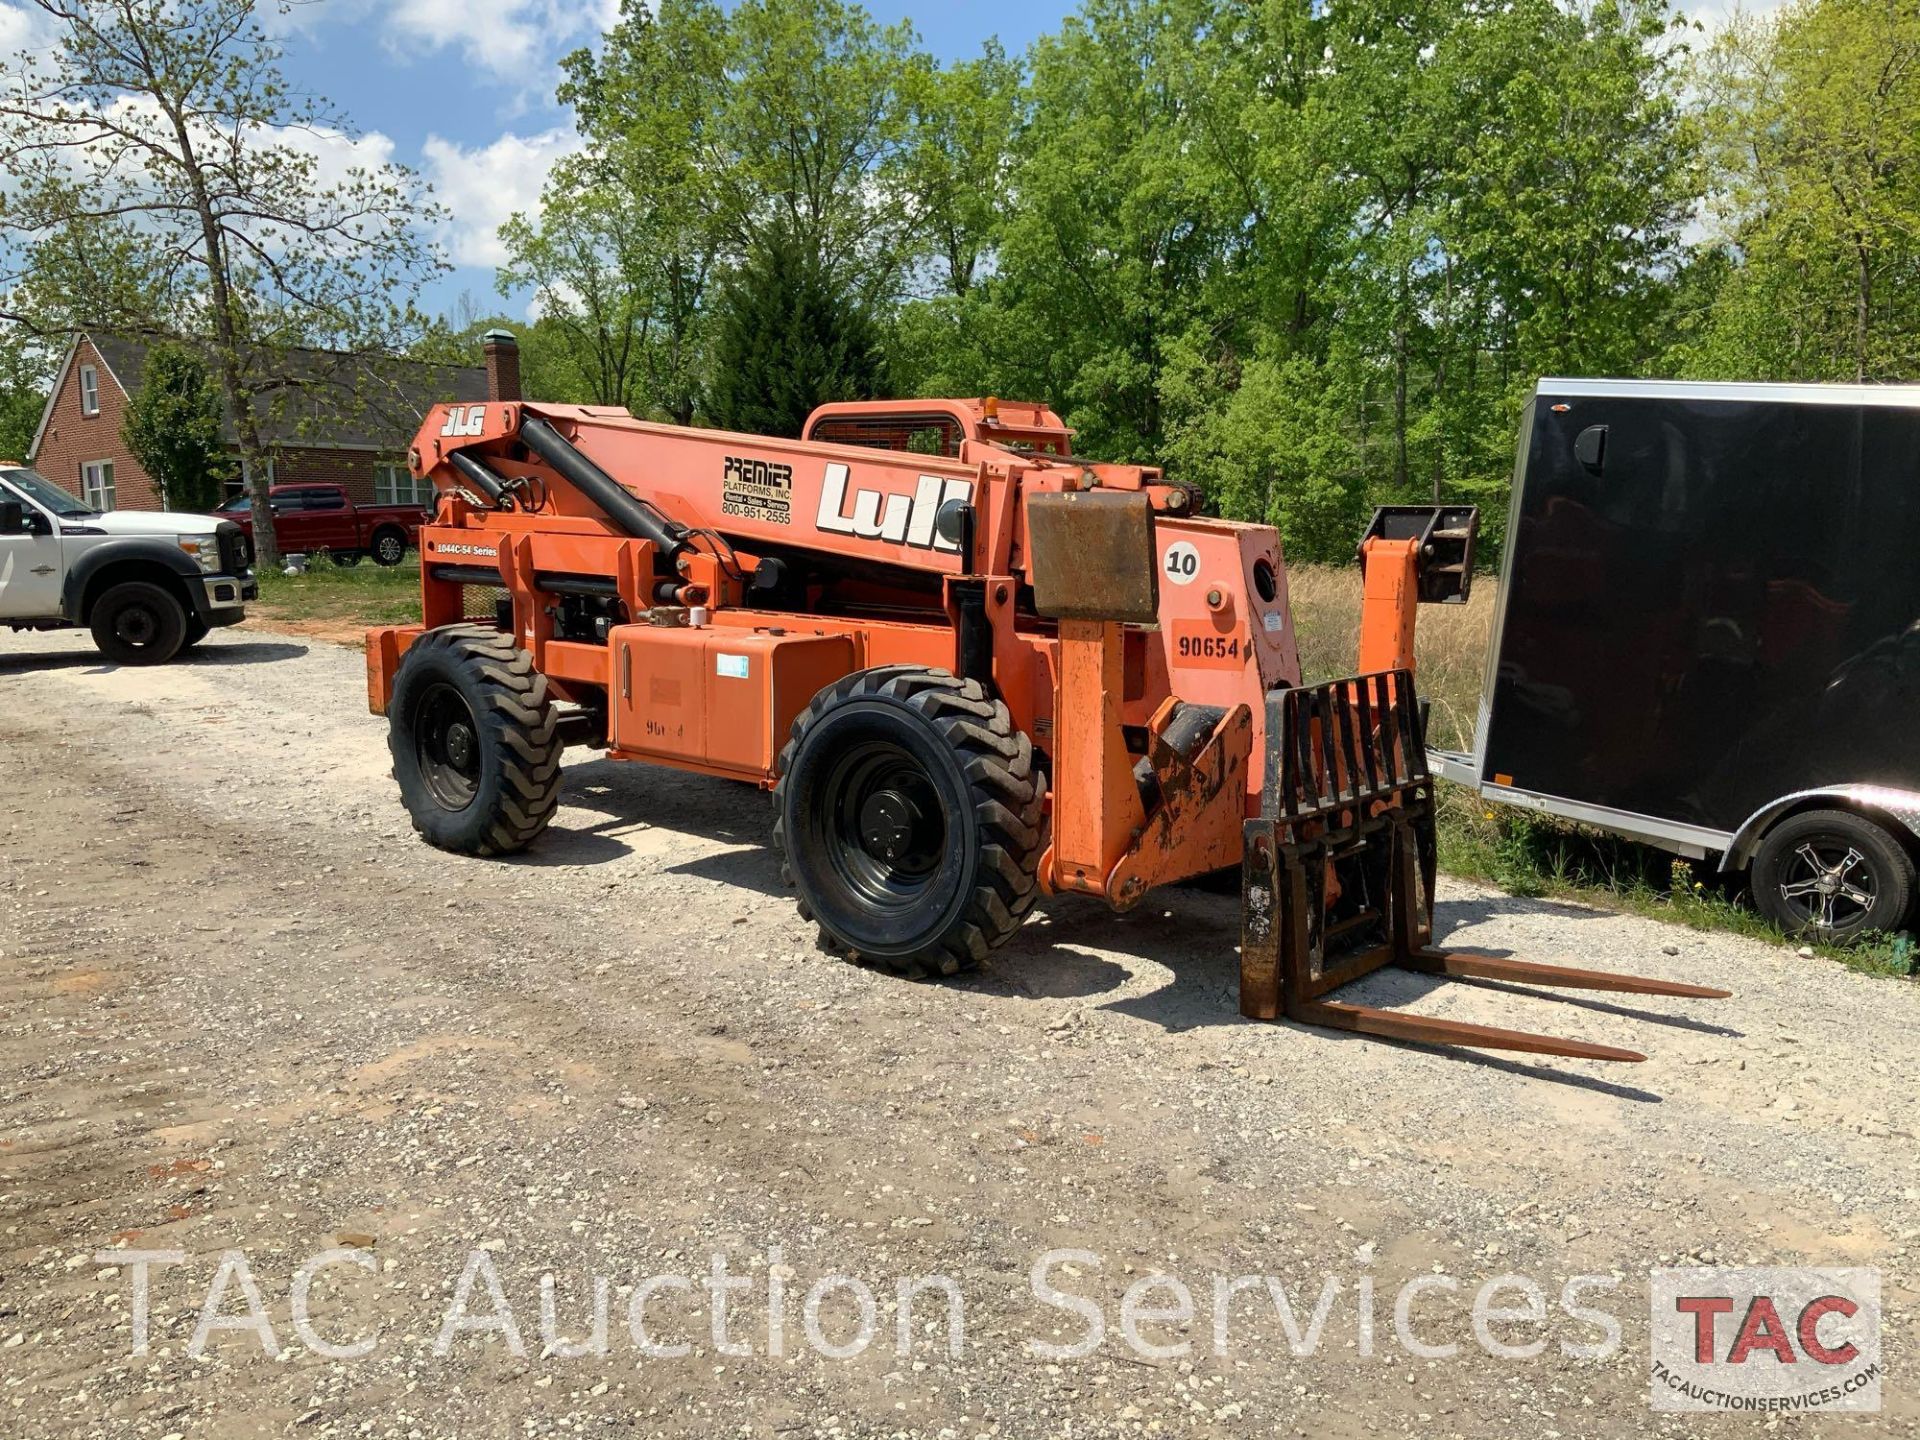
x,y
245,1010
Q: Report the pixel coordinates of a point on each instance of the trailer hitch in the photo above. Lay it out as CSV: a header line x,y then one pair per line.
x,y
1337,877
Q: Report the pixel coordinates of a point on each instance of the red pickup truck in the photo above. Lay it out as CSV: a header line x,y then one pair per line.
x,y
311,518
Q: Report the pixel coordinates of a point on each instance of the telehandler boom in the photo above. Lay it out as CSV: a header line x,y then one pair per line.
x,y
971,667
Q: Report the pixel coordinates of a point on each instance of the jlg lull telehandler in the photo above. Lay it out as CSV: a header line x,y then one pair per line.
x,y
971,667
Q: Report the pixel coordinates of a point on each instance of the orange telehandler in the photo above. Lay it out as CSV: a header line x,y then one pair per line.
x,y
971,667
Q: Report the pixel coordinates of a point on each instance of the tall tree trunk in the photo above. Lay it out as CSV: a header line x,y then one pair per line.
x,y
227,339
1400,406
1863,313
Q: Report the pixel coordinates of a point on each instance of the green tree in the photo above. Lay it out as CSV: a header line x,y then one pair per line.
x,y
789,336
1813,116
25,374
172,426
163,181
952,169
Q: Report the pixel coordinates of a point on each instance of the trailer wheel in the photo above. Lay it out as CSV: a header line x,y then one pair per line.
x,y
909,816
476,742
1833,876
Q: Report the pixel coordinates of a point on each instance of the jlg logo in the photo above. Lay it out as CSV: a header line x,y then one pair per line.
x,y
905,520
463,420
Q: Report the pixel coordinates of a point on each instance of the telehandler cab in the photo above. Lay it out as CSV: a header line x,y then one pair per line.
x,y
970,666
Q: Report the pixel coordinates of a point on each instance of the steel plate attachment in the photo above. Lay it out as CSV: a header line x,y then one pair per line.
x,y
1337,877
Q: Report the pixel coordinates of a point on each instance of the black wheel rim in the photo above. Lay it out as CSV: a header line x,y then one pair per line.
x,y
886,828
1828,884
137,626
447,745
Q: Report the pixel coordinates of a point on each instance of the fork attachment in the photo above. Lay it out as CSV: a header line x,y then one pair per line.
x,y
1337,878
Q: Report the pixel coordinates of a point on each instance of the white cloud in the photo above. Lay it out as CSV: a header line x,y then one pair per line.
x,y
1714,15
481,187
517,40
24,28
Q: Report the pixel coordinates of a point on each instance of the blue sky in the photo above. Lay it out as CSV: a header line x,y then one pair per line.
x,y
463,91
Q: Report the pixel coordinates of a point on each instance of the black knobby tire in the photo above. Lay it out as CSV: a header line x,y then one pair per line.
x,y
910,817
1833,876
389,547
475,740
139,623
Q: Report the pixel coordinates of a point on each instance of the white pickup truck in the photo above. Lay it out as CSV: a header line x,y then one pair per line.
x,y
148,584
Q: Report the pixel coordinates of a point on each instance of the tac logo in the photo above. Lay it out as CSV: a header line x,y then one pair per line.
x,y
465,420
1766,1339
903,519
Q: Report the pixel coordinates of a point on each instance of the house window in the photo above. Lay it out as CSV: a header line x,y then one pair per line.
x,y
89,390
240,478
395,485
96,484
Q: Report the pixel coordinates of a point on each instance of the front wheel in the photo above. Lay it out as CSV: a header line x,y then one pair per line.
x,y
475,741
909,816
389,547
139,623
345,559
1833,876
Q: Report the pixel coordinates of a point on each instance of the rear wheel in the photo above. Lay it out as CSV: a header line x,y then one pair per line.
x,y
1833,876
139,623
910,819
389,546
475,741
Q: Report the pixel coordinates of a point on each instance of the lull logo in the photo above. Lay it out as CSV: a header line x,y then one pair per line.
x,y
1769,1339
905,520
465,420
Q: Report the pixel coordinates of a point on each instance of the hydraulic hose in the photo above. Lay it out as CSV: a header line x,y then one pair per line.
x,y
621,505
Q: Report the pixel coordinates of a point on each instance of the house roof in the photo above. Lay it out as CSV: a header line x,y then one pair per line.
x,y
328,399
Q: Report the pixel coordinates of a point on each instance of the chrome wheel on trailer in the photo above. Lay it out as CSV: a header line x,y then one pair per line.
x,y
1833,875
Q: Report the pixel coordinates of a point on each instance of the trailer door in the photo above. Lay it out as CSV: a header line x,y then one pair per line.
x,y
1710,605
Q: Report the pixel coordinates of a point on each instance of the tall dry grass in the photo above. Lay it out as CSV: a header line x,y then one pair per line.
x,y
1450,643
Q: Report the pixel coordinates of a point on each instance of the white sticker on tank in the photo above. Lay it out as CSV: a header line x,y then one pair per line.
x,y
730,667
1182,562
1274,621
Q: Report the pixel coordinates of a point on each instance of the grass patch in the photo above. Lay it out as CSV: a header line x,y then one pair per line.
x,y
1520,851
343,598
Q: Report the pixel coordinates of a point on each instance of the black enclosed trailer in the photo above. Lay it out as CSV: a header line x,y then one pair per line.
x,y
1709,634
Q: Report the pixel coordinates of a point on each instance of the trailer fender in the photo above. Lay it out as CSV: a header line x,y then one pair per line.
x,y
1901,806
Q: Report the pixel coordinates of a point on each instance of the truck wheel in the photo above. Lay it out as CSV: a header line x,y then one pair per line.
x,y
476,742
389,547
197,630
139,623
345,559
909,815
1832,875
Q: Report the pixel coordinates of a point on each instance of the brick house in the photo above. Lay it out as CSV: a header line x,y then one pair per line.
x,y
341,419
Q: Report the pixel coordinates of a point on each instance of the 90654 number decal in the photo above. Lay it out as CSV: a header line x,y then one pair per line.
x,y
1199,643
